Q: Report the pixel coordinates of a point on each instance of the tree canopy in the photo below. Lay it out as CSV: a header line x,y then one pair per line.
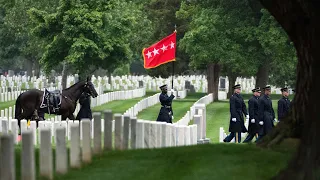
x,y
239,35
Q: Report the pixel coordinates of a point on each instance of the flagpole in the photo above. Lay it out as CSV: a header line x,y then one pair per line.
x,y
175,30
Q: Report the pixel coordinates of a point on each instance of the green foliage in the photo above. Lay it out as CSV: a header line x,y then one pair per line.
x,y
16,41
277,45
83,33
217,33
239,35
122,70
162,14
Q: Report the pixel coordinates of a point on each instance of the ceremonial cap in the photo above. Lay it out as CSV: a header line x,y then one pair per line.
x,y
267,88
284,89
237,86
256,89
163,86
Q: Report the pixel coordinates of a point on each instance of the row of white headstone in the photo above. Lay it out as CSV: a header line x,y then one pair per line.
x,y
117,95
131,82
129,133
9,96
143,104
5,88
133,111
199,104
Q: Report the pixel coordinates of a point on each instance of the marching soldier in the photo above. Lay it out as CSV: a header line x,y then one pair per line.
x,y
266,114
283,104
237,109
166,113
253,128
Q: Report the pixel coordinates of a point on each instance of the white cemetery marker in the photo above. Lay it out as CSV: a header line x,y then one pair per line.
x,y
28,170
7,156
86,141
46,161
75,152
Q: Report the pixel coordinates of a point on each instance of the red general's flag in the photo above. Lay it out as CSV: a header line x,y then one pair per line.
x,y
160,53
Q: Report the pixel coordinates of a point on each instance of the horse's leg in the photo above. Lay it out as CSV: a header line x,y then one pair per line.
x,y
64,117
36,117
71,117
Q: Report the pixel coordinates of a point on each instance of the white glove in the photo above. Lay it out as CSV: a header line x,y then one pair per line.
x,y
253,120
247,116
172,91
275,120
234,119
172,117
261,123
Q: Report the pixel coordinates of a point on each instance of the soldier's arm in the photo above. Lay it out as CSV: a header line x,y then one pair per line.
x,y
165,99
261,109
244,108
251,109
233,107
280,109
274,116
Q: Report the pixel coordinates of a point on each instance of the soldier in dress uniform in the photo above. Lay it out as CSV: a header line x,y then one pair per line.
x,y
253,128
237,109
266,114
166,113
85,109
283,104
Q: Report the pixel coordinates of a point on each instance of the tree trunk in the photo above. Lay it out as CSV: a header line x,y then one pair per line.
x,y
109,77
28,64
263,74
36,67
300,19
213,74
64,76
232,77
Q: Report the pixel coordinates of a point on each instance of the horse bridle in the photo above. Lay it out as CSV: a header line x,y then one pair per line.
x,y
86,85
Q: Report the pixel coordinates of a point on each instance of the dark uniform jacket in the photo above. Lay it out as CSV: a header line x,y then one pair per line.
x,y
237,109
283,107
85,109
266,114
166,113
253,114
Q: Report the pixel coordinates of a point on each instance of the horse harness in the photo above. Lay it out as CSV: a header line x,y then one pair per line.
x,y
52,100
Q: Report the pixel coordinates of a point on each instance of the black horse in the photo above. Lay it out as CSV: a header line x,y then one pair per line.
x,y
28,103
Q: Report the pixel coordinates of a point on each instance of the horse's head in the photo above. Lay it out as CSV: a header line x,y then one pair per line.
x,y
89,88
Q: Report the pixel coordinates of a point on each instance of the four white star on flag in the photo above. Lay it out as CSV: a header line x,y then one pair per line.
x,y
149,54
172,45
156,51
164,48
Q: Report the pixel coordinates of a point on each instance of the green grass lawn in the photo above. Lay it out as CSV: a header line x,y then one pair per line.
x,y
207,162
120,106
4,105
180,108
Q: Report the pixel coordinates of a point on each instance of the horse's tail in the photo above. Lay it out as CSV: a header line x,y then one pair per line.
x,y
18,109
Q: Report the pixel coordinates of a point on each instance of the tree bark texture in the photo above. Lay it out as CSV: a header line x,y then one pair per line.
x,y
300,19
64,75
232,77
36,67
213,74
263,74
28,64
